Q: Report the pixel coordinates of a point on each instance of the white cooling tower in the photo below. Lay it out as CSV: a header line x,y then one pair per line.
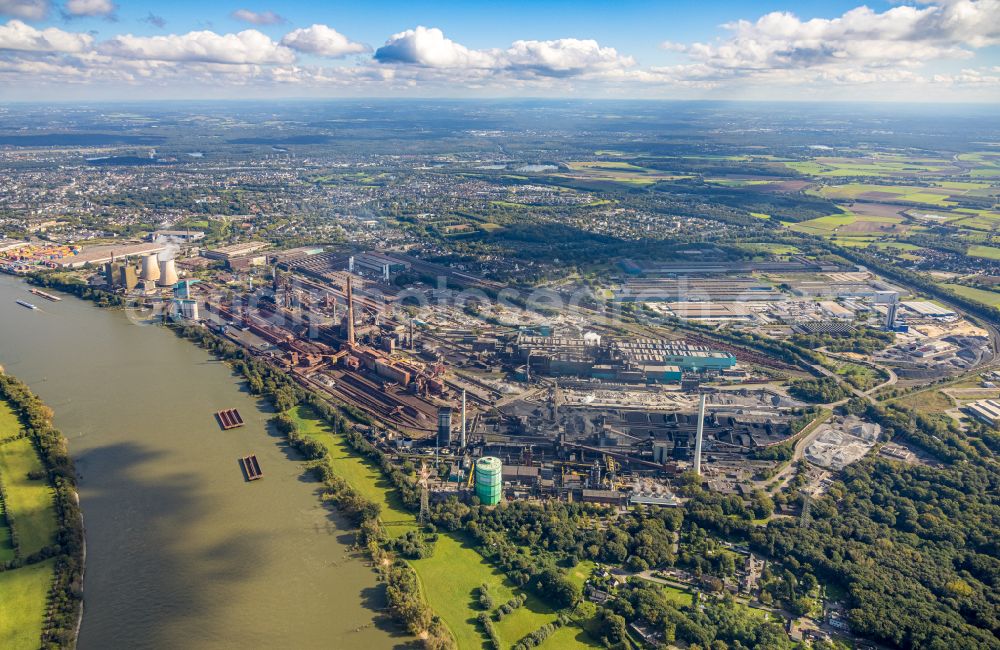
x,y
168,274
150,269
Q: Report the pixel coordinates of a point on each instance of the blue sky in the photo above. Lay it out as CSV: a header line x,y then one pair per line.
x,y
923,50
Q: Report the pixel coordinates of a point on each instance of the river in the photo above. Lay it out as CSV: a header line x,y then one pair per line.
x,y
182,552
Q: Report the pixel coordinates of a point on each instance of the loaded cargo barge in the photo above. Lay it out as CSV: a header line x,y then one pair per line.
x,y
25,303
45,294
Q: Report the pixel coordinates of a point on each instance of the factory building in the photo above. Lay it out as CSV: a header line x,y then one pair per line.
x,y
639,361
986,411
686,357
926,309
227,253
377,264
176,235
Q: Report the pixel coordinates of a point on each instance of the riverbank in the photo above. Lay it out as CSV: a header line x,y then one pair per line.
x,y
452,575
172,525
43,528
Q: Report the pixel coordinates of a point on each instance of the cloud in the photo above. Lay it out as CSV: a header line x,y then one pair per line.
x,y
26,9
248,46
322,41
258,18
154,20
860,44
18,36
80,8
429,47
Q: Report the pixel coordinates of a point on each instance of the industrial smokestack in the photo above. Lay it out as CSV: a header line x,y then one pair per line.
x,y
168,274
150,268
462,439
350,313
699,434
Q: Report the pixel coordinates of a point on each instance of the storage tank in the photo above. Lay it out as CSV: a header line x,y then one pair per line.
x,y
168,274
150,269
489,480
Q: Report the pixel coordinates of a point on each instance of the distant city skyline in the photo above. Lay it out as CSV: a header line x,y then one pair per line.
x,y
921,50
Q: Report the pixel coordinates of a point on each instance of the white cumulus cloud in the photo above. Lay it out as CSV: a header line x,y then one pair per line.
x,y
322,41
248,46
18,36
857,43
429,47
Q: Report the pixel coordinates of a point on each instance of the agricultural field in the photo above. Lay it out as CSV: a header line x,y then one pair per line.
x,y
29,501
987,252
905,193
982,164
986,220
883,165
24,592
617,172
852,225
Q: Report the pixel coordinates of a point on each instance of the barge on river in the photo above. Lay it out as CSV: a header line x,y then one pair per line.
x,y
251,467
229,419
45,294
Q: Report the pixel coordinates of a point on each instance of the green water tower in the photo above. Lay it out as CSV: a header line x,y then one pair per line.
x,y
489,480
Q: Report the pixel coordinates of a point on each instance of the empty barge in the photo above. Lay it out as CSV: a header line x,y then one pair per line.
x,y
229,419
251,467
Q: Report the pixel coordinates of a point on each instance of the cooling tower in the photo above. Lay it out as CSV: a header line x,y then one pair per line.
x,y
168,274
150,269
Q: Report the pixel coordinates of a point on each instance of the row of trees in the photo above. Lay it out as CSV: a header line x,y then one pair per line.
x,y
78,288
66,591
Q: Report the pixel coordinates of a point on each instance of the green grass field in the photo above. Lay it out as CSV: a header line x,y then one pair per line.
x,y
6,541
907,193
29,502
451,580
22,605
991,298
770,248
364,476
579,574
10,425
988,252
926,401
679,597
455,570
